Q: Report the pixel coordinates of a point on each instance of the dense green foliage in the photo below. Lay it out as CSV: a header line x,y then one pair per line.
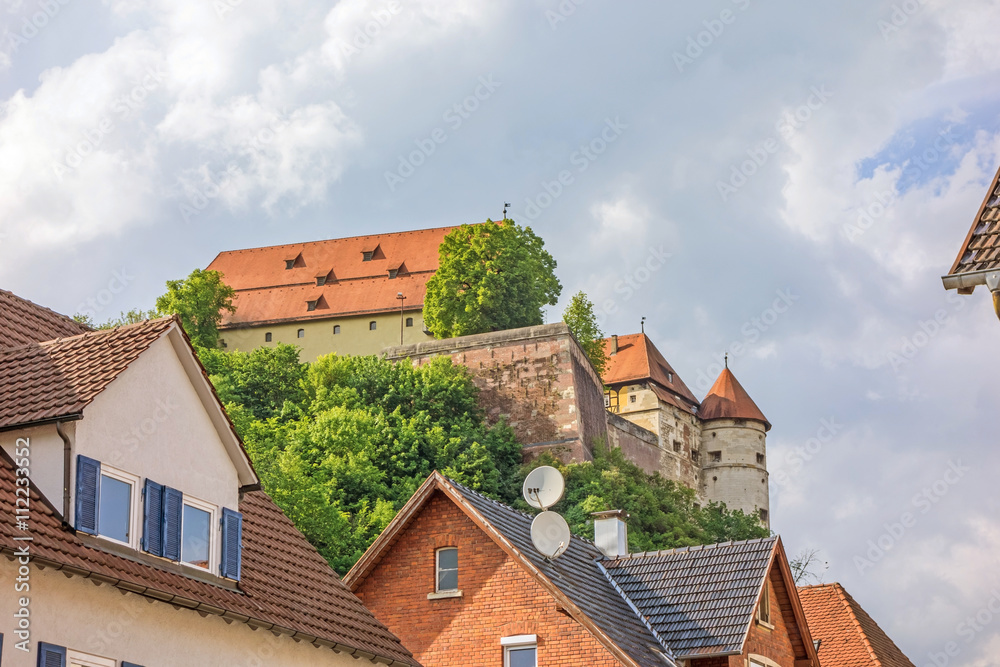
x,y
492,276
133,316
200,300
342,444
579,317
664,514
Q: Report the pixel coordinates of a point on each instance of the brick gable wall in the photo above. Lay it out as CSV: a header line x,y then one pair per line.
x,y
776,644
499,599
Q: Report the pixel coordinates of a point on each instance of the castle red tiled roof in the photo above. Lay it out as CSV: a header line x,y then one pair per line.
x,y
848,636
267,291
727,399
25,322
638,360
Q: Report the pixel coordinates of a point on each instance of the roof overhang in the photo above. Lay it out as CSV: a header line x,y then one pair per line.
x,y
966,282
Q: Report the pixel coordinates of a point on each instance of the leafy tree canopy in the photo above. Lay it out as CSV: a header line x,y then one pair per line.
x,y
579,317
491,277
199,300
133,316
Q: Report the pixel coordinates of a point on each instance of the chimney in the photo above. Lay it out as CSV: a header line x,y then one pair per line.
x,y
614,345
611,533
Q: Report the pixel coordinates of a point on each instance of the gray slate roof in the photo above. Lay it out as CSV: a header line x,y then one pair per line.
x,y
578,576
700,600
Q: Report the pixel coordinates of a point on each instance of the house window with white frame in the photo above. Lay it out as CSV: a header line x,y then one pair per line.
x,y
447,570
117,517
196,533
520,651
77,659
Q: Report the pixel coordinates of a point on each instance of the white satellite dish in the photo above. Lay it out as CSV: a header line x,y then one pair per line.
x,y
543,487
550,534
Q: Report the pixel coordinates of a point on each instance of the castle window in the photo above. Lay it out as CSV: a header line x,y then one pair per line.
x,y
760,459
694,455
301,333
367,255
320,281
409,321
267,337
763,518
372,325
336,329
677,445
311,305
393,273
631,398
764,608
447,569
289,264
716,457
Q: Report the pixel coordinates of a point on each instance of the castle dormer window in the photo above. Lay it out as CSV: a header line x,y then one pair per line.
x,y
311,305
289,264
393,273
320,281
367,255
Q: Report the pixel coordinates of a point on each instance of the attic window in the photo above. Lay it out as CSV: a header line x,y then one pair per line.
x,y
446,567
311,305
716,457
367,255
393,273
764,607
320,281
289,264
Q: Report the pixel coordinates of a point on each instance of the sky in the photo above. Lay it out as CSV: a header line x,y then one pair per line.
x,y
786,181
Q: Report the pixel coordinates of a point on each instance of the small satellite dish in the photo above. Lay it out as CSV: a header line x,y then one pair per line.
x,y
550,534
543,487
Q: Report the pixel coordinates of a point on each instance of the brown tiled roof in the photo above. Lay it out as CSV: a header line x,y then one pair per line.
x,y
727,399
848,636
59,378
268,292
286,585
23,322
981,250
638,360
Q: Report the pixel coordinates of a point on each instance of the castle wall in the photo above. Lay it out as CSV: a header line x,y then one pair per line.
x,y
739,478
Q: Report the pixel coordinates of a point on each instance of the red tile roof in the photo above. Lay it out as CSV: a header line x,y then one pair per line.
x,y
849,636
268,292
981,250
638,360
59,378
24,322
727,399
286,586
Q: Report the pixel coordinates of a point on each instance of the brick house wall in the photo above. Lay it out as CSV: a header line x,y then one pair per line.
x,y
776,644
499,599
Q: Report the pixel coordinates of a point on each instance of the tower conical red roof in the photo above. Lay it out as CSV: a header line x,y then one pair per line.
x,y
727,399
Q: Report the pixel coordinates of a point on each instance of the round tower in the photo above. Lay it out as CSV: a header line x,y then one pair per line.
x,y
733,448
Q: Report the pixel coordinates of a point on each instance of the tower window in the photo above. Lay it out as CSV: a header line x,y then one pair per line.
x,y
267,337
677,445
409,321
372,325
694,455
336,329
302,333
716,457
760,459
763,518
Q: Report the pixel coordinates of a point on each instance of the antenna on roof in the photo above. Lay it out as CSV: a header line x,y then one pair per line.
x,y
544,487
642,324
727,359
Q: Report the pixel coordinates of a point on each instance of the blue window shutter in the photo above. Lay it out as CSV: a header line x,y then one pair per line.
x,y
232,544
173,508
152,518
50,655
88,493
129,664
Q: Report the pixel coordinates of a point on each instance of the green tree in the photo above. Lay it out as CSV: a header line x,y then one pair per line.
x,y
579,317
200,300
260,381
664,514
491,277
133,316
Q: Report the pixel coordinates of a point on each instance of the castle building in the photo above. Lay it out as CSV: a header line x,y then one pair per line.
x,y
350,296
